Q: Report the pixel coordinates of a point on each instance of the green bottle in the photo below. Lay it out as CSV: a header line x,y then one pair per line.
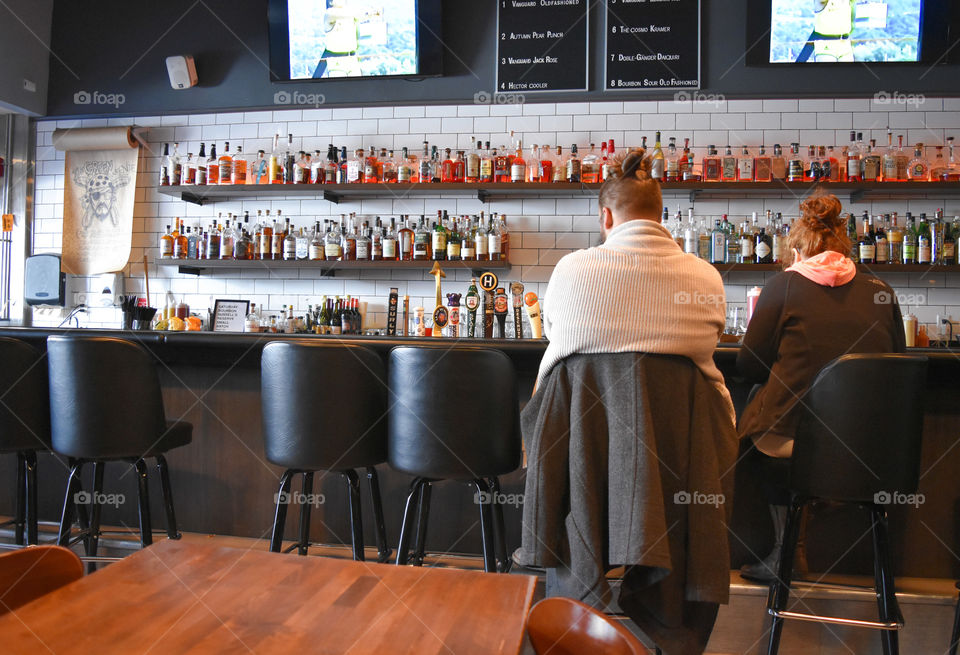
x,y
472,302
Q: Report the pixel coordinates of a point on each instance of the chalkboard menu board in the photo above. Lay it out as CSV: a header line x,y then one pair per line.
x,y
652,44
542,45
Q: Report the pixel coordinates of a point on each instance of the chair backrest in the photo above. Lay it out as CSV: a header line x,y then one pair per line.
x,y
324,405
563,626
29,573
24,398
105,399
453,412
860,428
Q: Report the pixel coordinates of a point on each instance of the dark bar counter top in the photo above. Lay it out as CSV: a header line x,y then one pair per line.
x,y
222,483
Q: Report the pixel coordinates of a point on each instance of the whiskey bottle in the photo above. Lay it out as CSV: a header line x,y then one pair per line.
x,y
166,245
438,241
657,169
867,245
573,165
226,165
213,166
405,241
363,244
472,169
333,248
421,242
240,166
201,174
919,169
778,164
165,166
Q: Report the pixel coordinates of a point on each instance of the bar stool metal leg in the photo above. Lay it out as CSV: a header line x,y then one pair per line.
x,y
30,510
500,536
143,498
403,547
780,588
280,518
884,583
66,516
423,519
303,536
486,527
356,516
93,540
383,548
167,491
19,519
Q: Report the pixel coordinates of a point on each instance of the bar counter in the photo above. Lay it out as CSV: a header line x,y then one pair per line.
x,y
223,484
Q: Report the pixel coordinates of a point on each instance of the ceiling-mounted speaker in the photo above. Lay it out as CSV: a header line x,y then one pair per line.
x,y
182,71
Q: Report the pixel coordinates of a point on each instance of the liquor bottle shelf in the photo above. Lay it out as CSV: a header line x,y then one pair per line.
x,y
336,193
874,269
197,266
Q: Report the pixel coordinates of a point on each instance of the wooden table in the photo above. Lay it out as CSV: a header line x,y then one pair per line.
x,y
175,597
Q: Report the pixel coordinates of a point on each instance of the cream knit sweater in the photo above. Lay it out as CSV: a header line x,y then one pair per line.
x,y
638,292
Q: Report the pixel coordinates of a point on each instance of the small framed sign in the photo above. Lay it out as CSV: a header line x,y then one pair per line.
x,y
230,315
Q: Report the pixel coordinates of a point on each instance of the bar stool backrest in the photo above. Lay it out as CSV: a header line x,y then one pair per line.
x,y
324,405
453,412
860,429
105,399
30,573
24,398
563,626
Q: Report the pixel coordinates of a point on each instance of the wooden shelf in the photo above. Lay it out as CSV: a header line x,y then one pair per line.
x,y
874,269
339,192
196,266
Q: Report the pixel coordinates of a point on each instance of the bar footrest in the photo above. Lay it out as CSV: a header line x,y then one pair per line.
x,y
855,623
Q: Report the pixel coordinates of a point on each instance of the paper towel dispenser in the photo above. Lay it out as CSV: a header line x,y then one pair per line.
x,y
43,282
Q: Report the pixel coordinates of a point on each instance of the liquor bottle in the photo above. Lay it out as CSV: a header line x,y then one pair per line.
x,y
438,236
166,245
494,241
950,243
811,169
763,247
318,169
459,168
425,172
239,167
889,165
747,243
363,244
937,229
192,238
895,241
454,243
881,243
391,168
421,242
381,164
559,167
370,166
867,245
348,239
435,165
910,241
924,247
728,166
903,160
266,239
918,170
280,231
712,166
316,248
606,169
938,167
573,165
672,162
213,242
732,239
332,167
355,167
175,166
228,240
201,175
795,166
289,160
472,171
165,166
332,246
213,166
778,235
504,238
481,244
301,169
226,165
658,163
405,239
189,176
953,167
534,169
389,248
745,170
501,165
486,163
854,170
828,165
590,165
446,167
871,163
377,235
244,247
778,164
836,172
718,244
518,167
290,247
405,172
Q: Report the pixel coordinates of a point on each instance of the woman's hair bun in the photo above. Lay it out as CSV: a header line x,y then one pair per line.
x,y
822,212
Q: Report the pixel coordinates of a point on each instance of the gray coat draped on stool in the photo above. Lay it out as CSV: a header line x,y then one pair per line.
x,y
631,464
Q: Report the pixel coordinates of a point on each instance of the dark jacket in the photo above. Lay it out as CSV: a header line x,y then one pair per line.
x,y
616,445
797,328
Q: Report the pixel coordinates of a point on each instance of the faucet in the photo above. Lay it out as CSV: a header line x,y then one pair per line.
x,y
72,316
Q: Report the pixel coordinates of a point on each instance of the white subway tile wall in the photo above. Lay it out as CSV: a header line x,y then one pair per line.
x,y
542,229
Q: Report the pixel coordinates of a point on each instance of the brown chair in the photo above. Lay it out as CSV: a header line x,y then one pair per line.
x,y
29,573
563,626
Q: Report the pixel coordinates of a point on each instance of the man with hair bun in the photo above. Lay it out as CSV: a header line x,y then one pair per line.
x,y
637,291
820,308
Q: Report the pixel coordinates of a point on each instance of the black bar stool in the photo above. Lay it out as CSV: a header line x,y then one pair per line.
x,y
341,428
24,426
846,451
429,388
106,406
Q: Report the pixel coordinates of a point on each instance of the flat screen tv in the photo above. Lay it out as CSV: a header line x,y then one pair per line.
x,y
847,31
350,39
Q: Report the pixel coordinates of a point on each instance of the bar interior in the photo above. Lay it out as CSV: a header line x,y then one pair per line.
x,y
365,326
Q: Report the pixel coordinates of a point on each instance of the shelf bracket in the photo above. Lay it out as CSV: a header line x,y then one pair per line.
x,y
856,195
330,196
190,270
483,195
191,198
693,195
